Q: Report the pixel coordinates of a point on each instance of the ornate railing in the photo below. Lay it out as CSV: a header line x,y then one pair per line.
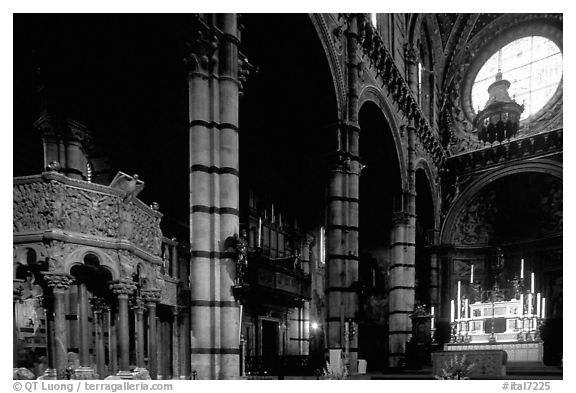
x,y
283,275
88,212
541,144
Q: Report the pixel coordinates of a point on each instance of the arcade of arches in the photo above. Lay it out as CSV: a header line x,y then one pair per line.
x,y
299,192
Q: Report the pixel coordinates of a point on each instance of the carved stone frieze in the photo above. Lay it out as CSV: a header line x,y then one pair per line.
x,y
57,251
44,204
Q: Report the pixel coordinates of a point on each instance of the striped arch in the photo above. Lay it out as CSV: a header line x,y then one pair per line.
x,y
373,94
547,166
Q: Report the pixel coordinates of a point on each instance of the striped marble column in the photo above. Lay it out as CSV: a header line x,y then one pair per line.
x,y
402,266
342,218
214,194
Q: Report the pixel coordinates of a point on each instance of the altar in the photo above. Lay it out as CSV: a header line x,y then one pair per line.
x,y
497,324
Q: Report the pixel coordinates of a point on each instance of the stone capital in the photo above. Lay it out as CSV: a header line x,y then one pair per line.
x,y
150,295
122,287
58,281
137,304
411,53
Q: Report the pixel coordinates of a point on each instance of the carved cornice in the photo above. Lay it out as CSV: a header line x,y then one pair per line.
x,y
537,145
57,280
383,62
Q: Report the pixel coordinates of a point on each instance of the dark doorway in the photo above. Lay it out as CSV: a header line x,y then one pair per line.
x,y
270,339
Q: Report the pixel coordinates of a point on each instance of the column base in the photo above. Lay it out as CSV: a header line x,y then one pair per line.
x,y
49,373
141,373
85,373
125,375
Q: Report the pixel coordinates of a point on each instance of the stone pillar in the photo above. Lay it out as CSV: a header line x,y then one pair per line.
x,y
123,289
434,282
306,328
59,283
98,307
47,304
342,215
151,298
402,267
139,308
85,371
16,298
112,324
214,194
175,343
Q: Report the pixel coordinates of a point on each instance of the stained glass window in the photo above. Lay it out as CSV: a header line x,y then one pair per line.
x,y
533,65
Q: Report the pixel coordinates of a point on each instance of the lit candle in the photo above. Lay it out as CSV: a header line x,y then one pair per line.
x,y
451,311
432,321
259,240
472,275
530,303
532,282
522,268
466,308
544,308
459,302
538,305
522,304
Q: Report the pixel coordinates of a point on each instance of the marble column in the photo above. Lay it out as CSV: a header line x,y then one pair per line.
x,y
110,316
214,193
16,298
402,267
175,343
151,298
85,370
98,307
342,214
47,304
123,289
139,308
59,283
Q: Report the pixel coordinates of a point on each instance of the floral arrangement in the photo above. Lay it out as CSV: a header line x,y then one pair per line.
x,y
457,368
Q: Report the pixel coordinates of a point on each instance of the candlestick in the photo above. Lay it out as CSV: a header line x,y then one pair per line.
x,y
374,277
522,268
472,275
432,320
259,240
522,304
543,308
272,217
451,311
532,282
466,308
459,302
530,304
538,305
